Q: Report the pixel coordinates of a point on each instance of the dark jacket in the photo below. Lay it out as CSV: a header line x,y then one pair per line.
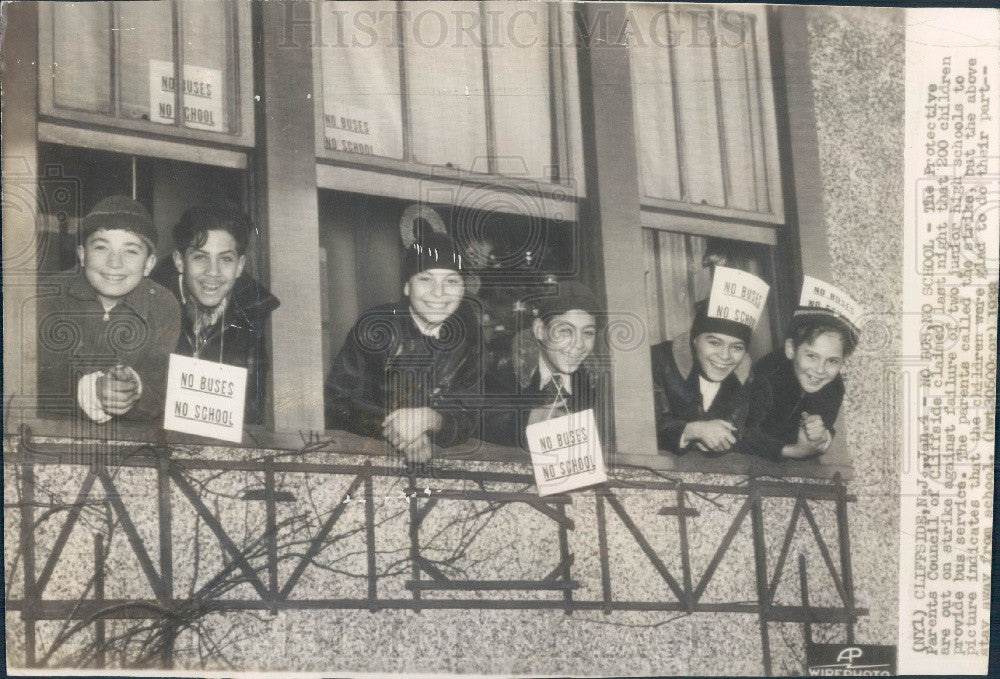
x,y
77,337
677,393
238,339
512,392
386,363
778,403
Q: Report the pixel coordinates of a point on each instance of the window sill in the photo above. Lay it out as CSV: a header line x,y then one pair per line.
x,y
741,464
345,443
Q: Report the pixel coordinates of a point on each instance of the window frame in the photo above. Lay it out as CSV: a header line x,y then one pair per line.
x,y
240,55
769,126
407,179
777,229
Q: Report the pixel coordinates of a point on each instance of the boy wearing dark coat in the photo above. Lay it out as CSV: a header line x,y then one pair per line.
x,y
798,388
700,385
549,372
105,335
224,310
406,367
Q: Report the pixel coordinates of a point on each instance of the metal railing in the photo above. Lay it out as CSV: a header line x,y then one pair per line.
x,y
257,564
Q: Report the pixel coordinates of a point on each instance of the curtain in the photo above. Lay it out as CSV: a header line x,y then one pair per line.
x,y
81,43
447,105
698,87
518,45
362,101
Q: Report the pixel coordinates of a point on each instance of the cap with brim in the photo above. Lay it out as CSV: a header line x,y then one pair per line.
x,y
119,213
815,315
571,295
703,323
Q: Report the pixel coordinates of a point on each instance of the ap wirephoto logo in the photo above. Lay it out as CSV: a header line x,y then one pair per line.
x,y
854,660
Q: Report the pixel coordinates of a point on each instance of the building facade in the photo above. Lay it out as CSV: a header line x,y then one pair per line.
x,y
626,146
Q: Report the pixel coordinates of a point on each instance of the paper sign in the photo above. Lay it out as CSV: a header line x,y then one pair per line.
x,y
201,96
566,453
737,296
817,293
205,398
351,128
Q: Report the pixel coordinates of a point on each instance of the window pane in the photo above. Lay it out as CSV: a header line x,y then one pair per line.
x,y
743,137
520,93
653,106
447,105
146,43
208,69
81,56
362,105
147,63
698,109
699,90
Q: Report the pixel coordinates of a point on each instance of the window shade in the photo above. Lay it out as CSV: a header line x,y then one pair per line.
x,y
703,131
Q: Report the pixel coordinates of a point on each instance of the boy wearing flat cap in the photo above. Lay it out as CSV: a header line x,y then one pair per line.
x,y
105,339
700,378
547,374
404,368
798,388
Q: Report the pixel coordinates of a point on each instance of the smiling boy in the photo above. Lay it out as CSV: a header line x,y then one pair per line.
x,y
547,374
404,367
224,310
105,338
798,388
700,384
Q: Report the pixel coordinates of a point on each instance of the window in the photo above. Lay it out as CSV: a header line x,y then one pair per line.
x,y
709,175
706,143
500,108
181,67
704,112
679,273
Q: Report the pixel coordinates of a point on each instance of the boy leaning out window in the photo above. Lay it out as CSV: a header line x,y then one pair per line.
x,y
105,334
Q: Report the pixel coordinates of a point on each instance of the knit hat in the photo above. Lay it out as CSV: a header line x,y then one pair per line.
x,y
723,326
120,212
571,295
432,250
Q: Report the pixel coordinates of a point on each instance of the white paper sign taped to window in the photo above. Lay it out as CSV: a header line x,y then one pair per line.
x,y
205,398
566,453
353,129
737,296
201,96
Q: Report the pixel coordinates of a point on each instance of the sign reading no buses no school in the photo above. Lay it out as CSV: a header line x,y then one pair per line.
x,y
205,398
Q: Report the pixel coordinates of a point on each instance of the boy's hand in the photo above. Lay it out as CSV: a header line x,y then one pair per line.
x,y
419,451
716,435
404,426
118,389
804,448
815,429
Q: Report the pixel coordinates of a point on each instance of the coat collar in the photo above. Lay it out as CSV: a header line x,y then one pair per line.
x,y
139,299
526,357
684,359
249,300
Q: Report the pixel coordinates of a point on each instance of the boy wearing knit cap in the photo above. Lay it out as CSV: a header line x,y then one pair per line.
x,y
105,340
547,373
798,388
700,378
404,367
